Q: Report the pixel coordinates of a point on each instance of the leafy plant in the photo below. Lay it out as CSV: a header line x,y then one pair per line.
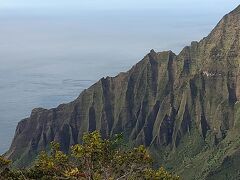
x,y
94,159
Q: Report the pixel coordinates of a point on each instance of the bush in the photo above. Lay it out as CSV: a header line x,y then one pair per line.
x,y
94,159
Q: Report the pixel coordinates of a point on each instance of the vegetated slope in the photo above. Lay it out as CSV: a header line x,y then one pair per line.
x,y
183,107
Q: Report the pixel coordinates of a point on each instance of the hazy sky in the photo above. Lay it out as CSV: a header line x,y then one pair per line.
x,y
120,4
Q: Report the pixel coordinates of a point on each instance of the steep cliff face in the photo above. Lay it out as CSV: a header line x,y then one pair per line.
x,y
183,107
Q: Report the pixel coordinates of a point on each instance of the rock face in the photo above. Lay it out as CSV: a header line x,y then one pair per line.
x,y
183,107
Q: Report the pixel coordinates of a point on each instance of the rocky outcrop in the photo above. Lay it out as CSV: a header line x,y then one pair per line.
x,y
183,107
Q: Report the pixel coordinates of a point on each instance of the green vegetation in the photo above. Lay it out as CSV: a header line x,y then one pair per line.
x,y
94,159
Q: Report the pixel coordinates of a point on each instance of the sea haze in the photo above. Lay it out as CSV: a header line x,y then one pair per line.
x,y
49,58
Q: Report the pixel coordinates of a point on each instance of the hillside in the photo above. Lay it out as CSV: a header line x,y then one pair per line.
x,y
183,107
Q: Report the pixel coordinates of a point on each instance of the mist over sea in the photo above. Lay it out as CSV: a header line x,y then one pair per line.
x,y
48,58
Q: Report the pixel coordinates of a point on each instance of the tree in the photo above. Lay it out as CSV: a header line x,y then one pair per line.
x,y
4,166
94,159
106,159
54,165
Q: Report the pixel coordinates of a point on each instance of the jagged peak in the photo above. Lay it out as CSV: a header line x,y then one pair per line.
x,y
236,10
152,54
230,21
234,14
171,53
152,51
160,56
37,110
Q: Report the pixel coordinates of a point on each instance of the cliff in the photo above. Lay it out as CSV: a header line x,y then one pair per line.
x,y
183,107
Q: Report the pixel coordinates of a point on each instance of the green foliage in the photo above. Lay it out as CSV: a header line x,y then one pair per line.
x,y
160,174
4,166
4,163
94,159
104,159
6,173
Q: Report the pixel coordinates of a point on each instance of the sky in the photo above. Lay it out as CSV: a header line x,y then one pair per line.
x,y
119,4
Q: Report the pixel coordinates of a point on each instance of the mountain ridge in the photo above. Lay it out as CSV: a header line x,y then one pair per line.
x,y
183,107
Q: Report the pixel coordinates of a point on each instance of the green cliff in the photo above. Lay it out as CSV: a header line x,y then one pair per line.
x,y
183,107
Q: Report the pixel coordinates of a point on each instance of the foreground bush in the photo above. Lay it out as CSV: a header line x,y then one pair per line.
x,y
94,159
